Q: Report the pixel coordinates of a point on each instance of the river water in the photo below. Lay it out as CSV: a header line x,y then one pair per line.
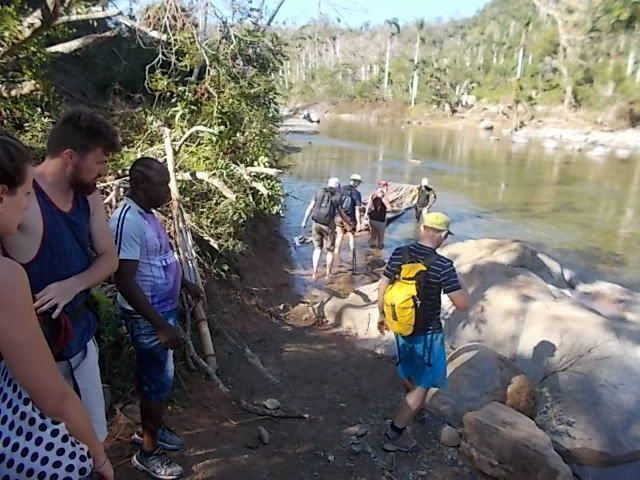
x,y
582,211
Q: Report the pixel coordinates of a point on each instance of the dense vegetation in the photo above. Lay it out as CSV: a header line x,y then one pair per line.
x,y
182,69
578,53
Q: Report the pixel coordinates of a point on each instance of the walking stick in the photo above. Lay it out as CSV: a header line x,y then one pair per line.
x,y
353,259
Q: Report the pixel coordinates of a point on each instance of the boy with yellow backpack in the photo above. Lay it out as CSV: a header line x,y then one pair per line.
x,y
409,305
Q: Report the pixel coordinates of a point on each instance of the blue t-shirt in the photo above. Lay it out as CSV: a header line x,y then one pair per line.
x,y
441,277
355,203
140,236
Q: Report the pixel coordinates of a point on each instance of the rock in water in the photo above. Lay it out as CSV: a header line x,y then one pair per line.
x,y
449,436
272,404
476,376
505,444
486,125
521,395
263,435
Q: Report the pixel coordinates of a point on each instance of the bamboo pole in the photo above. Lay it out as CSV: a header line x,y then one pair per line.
x,y
184,242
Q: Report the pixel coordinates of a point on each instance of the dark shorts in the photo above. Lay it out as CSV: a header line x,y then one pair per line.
x,y
324,237
154,362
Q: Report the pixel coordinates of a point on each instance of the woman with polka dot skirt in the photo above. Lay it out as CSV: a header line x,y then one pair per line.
x,y
45,432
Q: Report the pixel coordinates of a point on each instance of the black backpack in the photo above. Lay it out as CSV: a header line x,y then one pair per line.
x,y
325,210
347,200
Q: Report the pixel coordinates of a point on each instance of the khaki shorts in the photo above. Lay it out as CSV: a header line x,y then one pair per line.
x,y
324,237
341,226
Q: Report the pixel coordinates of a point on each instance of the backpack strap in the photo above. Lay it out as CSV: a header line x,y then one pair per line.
x,y
430,258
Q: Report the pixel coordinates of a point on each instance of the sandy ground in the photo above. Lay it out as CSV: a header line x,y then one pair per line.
x,y
343,390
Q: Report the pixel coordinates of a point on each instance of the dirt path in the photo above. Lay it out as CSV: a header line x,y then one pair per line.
x,y
343,390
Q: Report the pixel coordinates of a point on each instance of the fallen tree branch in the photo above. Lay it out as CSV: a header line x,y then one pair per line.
x,y
191,131
200,363
274,172
251,357
82,17
147,31
80,43
210,179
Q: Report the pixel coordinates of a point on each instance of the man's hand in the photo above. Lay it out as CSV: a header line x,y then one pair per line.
x,y
56,296
194,291
170,336
382,324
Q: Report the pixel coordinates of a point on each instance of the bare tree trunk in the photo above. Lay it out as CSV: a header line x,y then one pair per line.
x,y
414,80
631,62
386,69
520,63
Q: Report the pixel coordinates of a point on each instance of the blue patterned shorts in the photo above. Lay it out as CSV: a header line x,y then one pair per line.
x,y
154,362
422,359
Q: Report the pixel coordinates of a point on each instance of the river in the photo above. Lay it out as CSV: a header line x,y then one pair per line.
x,y
582,211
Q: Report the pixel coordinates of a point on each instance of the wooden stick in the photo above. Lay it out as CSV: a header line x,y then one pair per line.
x,y
251,357
186,249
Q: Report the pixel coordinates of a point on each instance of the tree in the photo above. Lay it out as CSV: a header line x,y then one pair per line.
x,y
394,30
414,81
574,21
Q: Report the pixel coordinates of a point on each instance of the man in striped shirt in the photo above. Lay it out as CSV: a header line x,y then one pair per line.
x,y
422,362
149,279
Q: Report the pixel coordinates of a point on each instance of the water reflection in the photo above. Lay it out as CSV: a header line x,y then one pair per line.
x,y
583,211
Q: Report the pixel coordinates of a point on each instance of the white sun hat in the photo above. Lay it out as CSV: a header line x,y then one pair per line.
x,y
424,182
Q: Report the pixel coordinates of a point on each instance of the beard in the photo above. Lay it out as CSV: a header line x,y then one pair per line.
x,y
81,186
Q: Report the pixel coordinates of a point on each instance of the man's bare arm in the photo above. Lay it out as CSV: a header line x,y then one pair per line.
x,y
59,294
307,213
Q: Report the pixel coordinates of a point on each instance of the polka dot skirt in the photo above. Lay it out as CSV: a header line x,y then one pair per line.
x,y
33,446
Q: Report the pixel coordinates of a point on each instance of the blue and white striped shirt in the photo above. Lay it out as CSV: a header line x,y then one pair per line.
x,y
441,277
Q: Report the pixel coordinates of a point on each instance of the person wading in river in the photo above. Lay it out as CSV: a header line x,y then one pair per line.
x,y
64,244
426,198
351,202
376,214
323,210
149,279
417,270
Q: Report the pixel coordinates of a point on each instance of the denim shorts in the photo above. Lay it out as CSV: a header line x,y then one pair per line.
x,y
423,359
154,362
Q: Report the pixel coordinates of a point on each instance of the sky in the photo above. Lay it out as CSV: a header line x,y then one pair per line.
x,y
356,12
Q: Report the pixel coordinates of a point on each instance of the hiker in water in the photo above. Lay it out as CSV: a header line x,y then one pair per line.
x,y
323,209
417,270
426,198
376,214
149,279
351,202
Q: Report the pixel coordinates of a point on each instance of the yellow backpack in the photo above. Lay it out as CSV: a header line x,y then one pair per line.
x,y
401,299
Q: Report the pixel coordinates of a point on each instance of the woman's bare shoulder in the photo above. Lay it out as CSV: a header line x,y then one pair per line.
x,y
11,275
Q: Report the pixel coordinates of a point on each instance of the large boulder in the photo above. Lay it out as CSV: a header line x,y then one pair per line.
x,y
476,376
579,342
505,444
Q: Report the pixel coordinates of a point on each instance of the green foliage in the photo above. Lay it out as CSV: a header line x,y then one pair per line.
x,y
116,353
479,52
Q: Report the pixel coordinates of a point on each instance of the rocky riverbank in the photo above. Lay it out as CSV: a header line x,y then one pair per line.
x,y
576,343
598,135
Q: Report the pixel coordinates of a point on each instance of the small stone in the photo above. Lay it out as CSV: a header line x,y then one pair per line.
x,y
272,404
422,473
263,435
361,431
449,436
331,458
356,448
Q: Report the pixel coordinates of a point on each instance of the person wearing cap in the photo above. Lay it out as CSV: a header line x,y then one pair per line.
x,y
426,198
376,214
351,202
422,362
323,209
